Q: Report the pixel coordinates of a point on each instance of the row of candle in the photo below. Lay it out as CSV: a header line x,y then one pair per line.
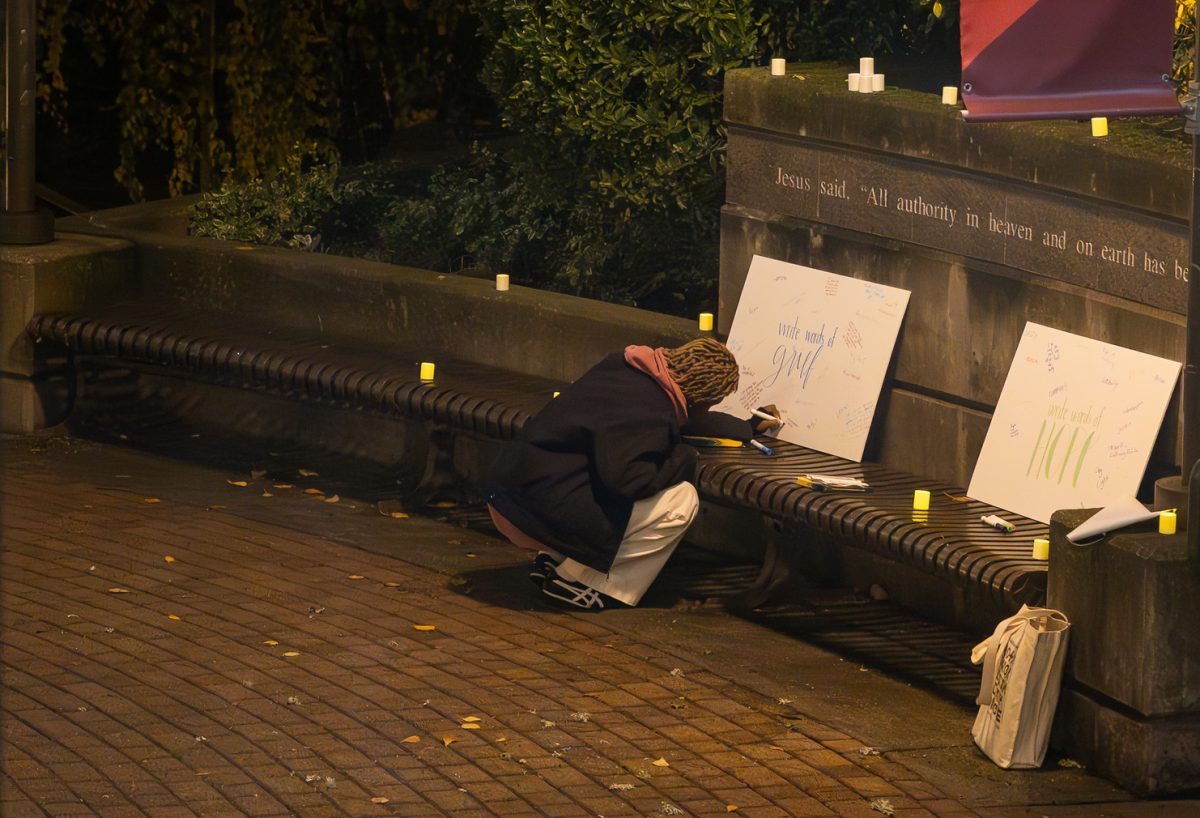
x,y
866,81
1041,546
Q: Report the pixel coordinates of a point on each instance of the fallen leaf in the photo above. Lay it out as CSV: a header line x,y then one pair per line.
x,y
399,515
257,473
267,494
283,486
471,555
332,499
1070,763
236,482
291,653
391,584
271,642
151,500
175,617
308,473
470,719
661,762
216,506
118,591
410,740
168,558
502,738
444,504
425,627
453,542
469,726
314,491
448,740
379,799
883,805
731,808
356,576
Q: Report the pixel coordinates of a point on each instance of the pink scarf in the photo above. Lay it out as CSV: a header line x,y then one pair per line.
x,y
654,363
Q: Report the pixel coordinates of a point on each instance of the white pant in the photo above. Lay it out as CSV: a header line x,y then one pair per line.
x,y
656,526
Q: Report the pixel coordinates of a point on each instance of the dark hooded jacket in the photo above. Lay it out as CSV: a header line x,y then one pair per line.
x,y
610,439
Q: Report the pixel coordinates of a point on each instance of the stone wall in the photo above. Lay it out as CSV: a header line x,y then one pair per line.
x,y
989,226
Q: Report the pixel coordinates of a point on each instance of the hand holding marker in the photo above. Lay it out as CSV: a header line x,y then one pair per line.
x,y
771,422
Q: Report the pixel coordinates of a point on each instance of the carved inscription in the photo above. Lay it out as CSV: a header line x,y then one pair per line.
x,y
1092,243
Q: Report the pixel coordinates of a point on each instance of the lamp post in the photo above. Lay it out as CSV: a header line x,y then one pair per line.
x,y
21,222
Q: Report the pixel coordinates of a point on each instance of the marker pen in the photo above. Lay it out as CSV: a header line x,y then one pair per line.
x,y
764,415
767,450
998,523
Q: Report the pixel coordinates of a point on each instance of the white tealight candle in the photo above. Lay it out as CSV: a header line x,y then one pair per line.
x,y
950,95
778,67
852,81
877,82
866,65
502,282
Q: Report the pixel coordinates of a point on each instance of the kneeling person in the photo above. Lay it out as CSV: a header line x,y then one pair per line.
x,y
600,482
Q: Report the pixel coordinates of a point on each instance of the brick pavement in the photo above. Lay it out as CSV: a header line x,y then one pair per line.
x,y
170,659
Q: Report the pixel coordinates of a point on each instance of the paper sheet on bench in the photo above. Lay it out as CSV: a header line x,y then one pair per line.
x,y
1075,424
816,345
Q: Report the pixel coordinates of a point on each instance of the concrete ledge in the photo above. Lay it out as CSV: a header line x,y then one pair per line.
x,y
1149,757
536,332
74,272
1137,164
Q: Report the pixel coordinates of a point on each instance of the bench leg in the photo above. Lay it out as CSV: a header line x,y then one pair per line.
x,y
440,481
776,573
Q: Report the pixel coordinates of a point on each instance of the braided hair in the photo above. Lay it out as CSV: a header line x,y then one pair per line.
x,y
705,370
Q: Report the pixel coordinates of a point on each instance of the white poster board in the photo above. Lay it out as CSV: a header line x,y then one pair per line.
x,y
816,345
1075,424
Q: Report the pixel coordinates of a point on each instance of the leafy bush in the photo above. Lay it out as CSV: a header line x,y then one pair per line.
x,y
227,90
612,183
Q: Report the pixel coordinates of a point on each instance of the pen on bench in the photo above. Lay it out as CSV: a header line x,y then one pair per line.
x,y
767,450
998,523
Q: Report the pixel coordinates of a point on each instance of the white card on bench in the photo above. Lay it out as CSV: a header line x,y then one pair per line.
x,y
817,345
1074,426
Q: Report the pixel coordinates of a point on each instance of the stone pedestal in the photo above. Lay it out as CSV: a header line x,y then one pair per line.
x,y
73,272
1132,708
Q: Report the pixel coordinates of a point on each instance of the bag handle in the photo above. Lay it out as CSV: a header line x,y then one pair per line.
x,y
987,650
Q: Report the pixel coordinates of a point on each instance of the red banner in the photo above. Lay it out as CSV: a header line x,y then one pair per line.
x,y
1067,59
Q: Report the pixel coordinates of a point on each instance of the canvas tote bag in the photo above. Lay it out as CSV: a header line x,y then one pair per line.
x,y
1022,674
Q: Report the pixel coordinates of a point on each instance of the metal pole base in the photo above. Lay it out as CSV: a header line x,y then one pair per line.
x,y
1170,492
27,227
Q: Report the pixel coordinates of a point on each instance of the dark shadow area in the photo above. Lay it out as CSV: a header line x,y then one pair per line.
x,y
877,635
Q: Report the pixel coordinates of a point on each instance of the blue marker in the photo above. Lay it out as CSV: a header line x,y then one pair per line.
x,y
767,450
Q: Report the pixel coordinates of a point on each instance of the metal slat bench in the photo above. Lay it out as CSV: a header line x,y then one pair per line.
x,y
949,543
463,395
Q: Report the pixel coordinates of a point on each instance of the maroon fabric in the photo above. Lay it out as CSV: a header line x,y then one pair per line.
x,y
1066,59
654,363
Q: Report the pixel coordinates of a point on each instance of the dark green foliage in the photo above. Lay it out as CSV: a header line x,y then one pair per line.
x,y
612,183
213,90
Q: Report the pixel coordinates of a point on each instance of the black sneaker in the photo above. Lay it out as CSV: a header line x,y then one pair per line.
x,y
543,566
574,593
